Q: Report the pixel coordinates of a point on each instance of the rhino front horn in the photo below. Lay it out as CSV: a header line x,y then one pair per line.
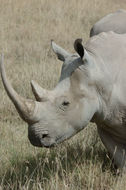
x,y
25,107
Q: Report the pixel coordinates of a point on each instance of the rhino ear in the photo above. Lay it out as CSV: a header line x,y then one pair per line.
x,y
60,52
79,47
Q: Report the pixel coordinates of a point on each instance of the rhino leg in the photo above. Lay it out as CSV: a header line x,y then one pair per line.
x,y
116,149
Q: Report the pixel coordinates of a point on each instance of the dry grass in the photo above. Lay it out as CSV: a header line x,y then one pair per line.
x,y
26,28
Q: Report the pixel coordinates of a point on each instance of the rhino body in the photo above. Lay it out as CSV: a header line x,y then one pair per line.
x,y
115,22
92,87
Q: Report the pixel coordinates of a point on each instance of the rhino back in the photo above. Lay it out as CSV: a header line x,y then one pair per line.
x,y
110,48
112,22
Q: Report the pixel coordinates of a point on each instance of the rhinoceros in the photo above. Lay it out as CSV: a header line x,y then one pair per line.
x,y
91,88
115,22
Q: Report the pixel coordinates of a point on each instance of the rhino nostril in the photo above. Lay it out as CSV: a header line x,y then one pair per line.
x,y
44,135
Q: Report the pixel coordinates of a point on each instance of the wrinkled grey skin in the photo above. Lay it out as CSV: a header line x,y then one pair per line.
x,y
92,87
115,22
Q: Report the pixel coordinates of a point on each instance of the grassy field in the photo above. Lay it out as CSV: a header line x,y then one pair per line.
x,y
26,28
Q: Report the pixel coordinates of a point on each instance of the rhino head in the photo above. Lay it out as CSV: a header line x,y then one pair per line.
x,y
59,114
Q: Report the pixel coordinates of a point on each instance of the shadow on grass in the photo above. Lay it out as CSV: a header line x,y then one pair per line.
x,y
61,160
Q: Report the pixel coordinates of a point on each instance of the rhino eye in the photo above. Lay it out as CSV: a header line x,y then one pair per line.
x,y
65,103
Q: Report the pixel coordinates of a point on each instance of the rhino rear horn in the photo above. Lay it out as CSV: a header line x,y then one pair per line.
x,y
25,107
39,93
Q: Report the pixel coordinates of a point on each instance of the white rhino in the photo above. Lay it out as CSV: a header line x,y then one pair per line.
x,y
92,87
115,22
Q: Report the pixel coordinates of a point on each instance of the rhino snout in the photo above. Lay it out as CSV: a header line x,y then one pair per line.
x,y
40,140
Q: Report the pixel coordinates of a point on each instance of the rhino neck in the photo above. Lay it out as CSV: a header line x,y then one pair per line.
x,y
104,83
108,75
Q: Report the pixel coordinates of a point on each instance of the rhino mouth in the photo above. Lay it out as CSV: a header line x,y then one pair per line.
x,y
44,139
47,141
